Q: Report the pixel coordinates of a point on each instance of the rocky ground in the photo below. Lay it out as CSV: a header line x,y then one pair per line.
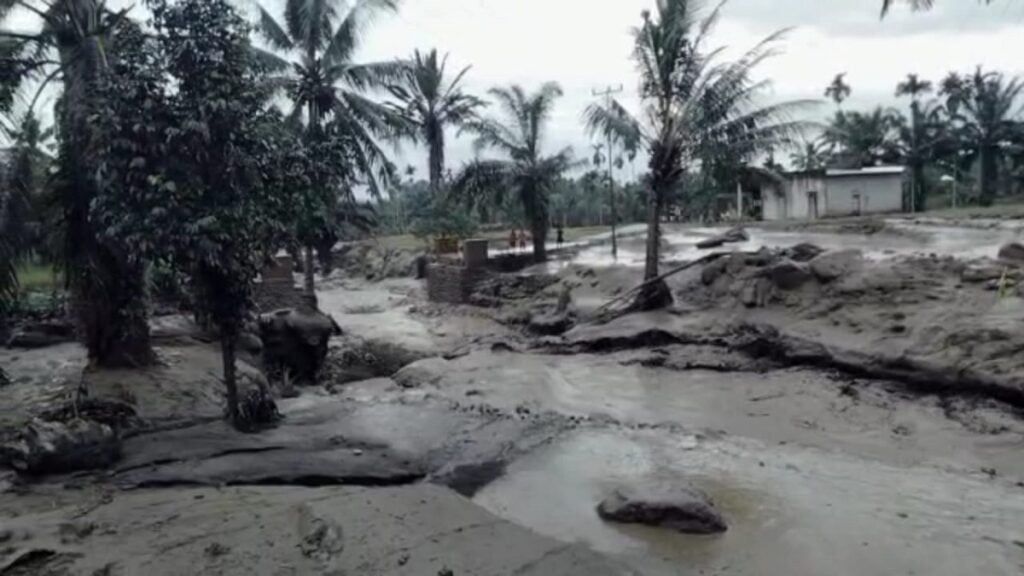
x,y
834,411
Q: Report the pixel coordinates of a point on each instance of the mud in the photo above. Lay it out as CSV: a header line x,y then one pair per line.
x,y
864,420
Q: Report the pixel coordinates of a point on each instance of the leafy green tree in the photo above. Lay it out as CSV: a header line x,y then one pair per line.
x,y
430,102
693,108
74,44
989,116
863,138
525,172
811,155
200,176
312,60
19,214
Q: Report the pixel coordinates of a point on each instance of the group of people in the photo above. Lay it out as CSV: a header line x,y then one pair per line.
x,y
519,239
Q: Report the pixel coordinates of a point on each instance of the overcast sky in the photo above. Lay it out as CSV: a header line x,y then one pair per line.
x,y
586,44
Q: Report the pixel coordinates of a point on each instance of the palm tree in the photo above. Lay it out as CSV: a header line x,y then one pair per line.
x,y
524,171
915,142
72,45
693,108
314,65
838,90
430,103
811,155
863,138
989,115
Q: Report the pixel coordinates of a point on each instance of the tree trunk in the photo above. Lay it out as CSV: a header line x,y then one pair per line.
x,y
109,302
540,237
436,160
227,349
309,275
919,194
656,294
988,175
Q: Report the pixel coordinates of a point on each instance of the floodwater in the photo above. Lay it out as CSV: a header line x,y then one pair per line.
x,y
910,239
793,512
810,480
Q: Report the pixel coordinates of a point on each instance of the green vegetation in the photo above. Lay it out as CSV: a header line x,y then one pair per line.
x,y
695,110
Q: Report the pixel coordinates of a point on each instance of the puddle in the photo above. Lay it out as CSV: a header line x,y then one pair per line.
x,y
791,511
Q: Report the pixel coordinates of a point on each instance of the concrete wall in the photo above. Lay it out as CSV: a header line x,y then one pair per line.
x,y
799,187
774,203
849,195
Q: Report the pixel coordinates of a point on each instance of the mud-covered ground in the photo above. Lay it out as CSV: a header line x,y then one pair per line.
x,y
863,418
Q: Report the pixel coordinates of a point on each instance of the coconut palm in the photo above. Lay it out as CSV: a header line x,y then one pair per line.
x,y
838,90
915,140
72,45
693,107
989,116
431,102
311,59
524,171
811,155
863,138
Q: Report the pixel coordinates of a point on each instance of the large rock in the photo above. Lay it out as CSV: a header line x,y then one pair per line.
x,y
730,236
833,265
295,343
1012,252
789,275
804,252
684,509
58,447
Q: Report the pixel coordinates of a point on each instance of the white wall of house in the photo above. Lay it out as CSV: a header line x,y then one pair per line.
x,y
875,193
839,193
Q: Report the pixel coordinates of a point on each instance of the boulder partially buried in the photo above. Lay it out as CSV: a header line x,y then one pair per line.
x,y
1012,252
684,509
59,447
295,343
833,265
789,275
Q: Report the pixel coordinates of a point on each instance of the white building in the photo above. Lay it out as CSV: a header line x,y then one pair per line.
x,y
821,193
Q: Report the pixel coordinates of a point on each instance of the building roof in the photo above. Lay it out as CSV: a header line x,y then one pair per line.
x,y
868,171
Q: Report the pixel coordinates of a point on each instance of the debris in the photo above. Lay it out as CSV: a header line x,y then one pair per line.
x,y
730,236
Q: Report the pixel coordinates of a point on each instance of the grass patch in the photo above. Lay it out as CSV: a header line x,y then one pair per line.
x,y
34,277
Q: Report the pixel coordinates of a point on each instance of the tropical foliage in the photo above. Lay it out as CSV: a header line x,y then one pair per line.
x,y
311,60
696,109
431,102
523,171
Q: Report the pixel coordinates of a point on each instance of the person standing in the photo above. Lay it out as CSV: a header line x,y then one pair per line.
x,y
513,240
522,240
559,235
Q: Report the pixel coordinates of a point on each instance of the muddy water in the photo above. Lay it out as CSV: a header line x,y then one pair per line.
x,y
812,479
791,511
912,239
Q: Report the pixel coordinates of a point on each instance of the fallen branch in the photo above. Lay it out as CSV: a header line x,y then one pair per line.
x,y
607,306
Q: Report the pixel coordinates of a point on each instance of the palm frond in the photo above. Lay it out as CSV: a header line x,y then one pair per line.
x,y
482,181
348,34
273,32
614,121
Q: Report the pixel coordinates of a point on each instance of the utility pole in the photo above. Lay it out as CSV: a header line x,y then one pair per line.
x,y
607,94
